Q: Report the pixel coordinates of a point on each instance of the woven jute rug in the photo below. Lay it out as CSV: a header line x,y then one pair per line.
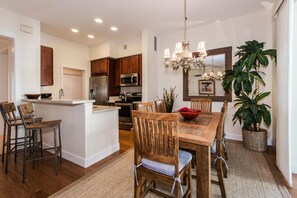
x,y
249,176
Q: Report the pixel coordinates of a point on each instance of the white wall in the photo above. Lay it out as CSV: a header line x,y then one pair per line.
x,y
233,32
100,50
115,48
294,93
26,70
66,54
134,46
150,81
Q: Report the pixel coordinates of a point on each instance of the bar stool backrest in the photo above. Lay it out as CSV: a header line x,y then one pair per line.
x,y
8,109
26,111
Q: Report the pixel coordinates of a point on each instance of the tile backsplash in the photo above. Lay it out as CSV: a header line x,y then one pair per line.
x,y
131,89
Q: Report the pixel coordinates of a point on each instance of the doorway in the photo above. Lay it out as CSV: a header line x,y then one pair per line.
x,y
73,81
6,72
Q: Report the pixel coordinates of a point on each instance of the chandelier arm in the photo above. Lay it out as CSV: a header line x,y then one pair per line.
x,y
185,24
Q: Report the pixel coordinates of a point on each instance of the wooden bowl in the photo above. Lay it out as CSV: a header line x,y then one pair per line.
x,y
189,114
32,96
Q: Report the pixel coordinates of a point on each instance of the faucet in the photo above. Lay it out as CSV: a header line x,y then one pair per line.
x,y
61,93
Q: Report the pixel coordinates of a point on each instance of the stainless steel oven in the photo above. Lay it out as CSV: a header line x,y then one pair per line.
x,y
125,113
125,117
129,79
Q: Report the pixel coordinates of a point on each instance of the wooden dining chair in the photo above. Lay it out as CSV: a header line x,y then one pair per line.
x,y
157,154
145,106
203,104
160,106
217,151
26,110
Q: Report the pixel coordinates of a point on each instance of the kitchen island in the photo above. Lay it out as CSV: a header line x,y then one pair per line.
x,y
89,133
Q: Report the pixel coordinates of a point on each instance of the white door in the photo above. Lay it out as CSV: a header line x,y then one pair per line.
x,y
73,84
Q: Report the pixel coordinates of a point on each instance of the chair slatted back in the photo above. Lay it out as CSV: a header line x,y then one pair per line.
x,y
156,136
8,109
220,130
160,106
26,111
203,104
145,106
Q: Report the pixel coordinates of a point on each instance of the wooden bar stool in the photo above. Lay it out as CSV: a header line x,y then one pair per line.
x,y
26,110
10,120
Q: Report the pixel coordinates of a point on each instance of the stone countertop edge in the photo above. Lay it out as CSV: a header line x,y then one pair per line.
x,y
57,101
100,109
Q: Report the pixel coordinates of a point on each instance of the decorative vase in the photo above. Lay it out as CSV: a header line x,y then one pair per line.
x,y
255,140
169,107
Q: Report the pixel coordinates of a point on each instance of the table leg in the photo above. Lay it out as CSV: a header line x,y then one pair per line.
x,y
203,171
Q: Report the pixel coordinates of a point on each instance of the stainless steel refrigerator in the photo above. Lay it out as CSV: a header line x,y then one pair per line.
x,y
99,90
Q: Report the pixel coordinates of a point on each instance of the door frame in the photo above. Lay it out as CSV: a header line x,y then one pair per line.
x,y
11,67
84,89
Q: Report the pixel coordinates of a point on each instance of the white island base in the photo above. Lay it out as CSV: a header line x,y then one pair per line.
x,y
88,134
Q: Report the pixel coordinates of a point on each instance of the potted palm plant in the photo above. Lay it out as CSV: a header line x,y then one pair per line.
x,y
246,78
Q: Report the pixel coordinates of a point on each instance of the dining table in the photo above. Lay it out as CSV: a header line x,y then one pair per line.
x,y
198,135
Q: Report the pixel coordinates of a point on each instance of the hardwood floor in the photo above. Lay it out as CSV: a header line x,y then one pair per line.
x,y
42,181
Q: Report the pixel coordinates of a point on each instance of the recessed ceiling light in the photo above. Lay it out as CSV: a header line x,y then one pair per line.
x,y
114,28
91,36
74,30
98,20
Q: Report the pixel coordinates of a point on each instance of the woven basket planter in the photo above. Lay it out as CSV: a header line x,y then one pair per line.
x,y
255,140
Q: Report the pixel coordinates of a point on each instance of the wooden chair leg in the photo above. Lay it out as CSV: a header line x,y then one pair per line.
x,y
137,188
219,167
189,180
225,171
4,141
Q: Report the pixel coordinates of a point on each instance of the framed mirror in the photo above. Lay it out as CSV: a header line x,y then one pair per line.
x,y
197,85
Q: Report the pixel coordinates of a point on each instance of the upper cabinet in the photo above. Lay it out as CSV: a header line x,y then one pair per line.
x,y
130,64
110,68
99,67
46,66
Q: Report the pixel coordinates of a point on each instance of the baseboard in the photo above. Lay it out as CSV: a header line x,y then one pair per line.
x,y
234,137
99,156
89,161
239,138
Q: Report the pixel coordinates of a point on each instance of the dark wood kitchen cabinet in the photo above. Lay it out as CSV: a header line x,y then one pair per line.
x,y
46,66
108,67
99,67
140,69
117,74
130,64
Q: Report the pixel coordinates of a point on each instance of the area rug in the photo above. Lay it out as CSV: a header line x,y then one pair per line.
x,y
249,176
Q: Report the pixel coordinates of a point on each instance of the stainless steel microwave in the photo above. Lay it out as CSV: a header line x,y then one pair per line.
x,y
129,79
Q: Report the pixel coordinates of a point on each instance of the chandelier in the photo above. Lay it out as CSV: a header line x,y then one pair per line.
x,y
182,56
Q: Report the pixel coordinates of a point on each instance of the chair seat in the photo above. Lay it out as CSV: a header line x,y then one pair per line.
x,y
41,125
168,169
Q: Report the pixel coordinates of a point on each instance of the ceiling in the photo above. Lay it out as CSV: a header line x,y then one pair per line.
x,y
57,17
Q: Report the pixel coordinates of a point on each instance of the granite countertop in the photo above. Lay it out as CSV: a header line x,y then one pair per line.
x,y
58,101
